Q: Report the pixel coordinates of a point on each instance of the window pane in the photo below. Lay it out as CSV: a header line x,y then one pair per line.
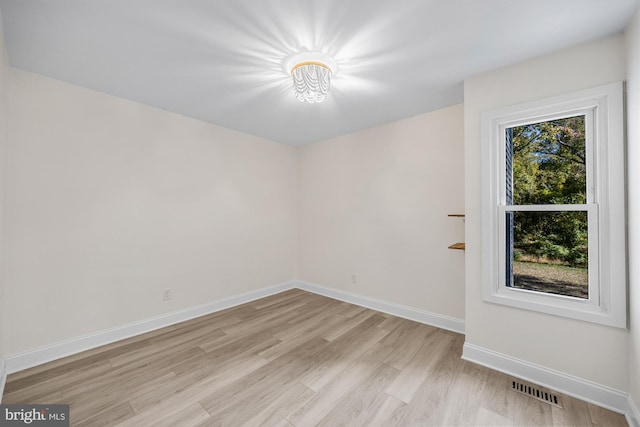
x,y
546,163
548,252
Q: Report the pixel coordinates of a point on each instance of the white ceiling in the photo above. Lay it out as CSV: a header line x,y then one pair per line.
x,y
221,60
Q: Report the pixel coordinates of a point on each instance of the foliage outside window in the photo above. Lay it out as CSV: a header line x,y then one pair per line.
x,y
553,215
547,165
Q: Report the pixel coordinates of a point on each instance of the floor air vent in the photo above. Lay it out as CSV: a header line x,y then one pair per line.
x,y
536,393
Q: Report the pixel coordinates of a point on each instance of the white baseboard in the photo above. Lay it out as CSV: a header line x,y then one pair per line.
x,y
443,322
3,377
28,359
597,394
633,414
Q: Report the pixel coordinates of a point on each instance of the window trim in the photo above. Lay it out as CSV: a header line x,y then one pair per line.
x,y
605,203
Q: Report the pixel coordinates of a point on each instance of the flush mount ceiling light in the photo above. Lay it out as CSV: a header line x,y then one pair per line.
x,y
311,73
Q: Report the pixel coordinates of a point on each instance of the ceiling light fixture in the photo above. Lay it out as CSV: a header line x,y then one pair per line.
x,y
311,73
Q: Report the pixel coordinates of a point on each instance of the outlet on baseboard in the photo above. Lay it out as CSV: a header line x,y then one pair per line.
x,y
166,295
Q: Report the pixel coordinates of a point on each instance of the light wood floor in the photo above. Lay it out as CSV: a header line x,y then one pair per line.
x,y
292,359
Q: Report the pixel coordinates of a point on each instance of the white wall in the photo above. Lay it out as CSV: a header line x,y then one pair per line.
x,y
110,201
585,350
633,183
4,84
375,203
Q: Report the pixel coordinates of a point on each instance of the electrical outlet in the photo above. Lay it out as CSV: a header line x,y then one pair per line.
x,y
353,279
166,295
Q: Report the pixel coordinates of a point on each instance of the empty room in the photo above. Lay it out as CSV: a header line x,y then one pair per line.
x,y
336,213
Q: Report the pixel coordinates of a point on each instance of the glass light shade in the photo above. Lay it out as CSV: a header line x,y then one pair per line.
x,y
311,73
311,81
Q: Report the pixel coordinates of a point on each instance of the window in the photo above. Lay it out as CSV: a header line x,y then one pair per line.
x,y
553,206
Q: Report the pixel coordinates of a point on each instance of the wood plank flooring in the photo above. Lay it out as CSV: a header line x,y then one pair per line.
x,y
292,359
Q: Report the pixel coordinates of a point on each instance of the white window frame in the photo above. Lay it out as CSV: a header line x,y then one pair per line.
x,y
604,124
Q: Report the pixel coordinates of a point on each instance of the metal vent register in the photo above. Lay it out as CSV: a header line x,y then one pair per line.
x,y
536,393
